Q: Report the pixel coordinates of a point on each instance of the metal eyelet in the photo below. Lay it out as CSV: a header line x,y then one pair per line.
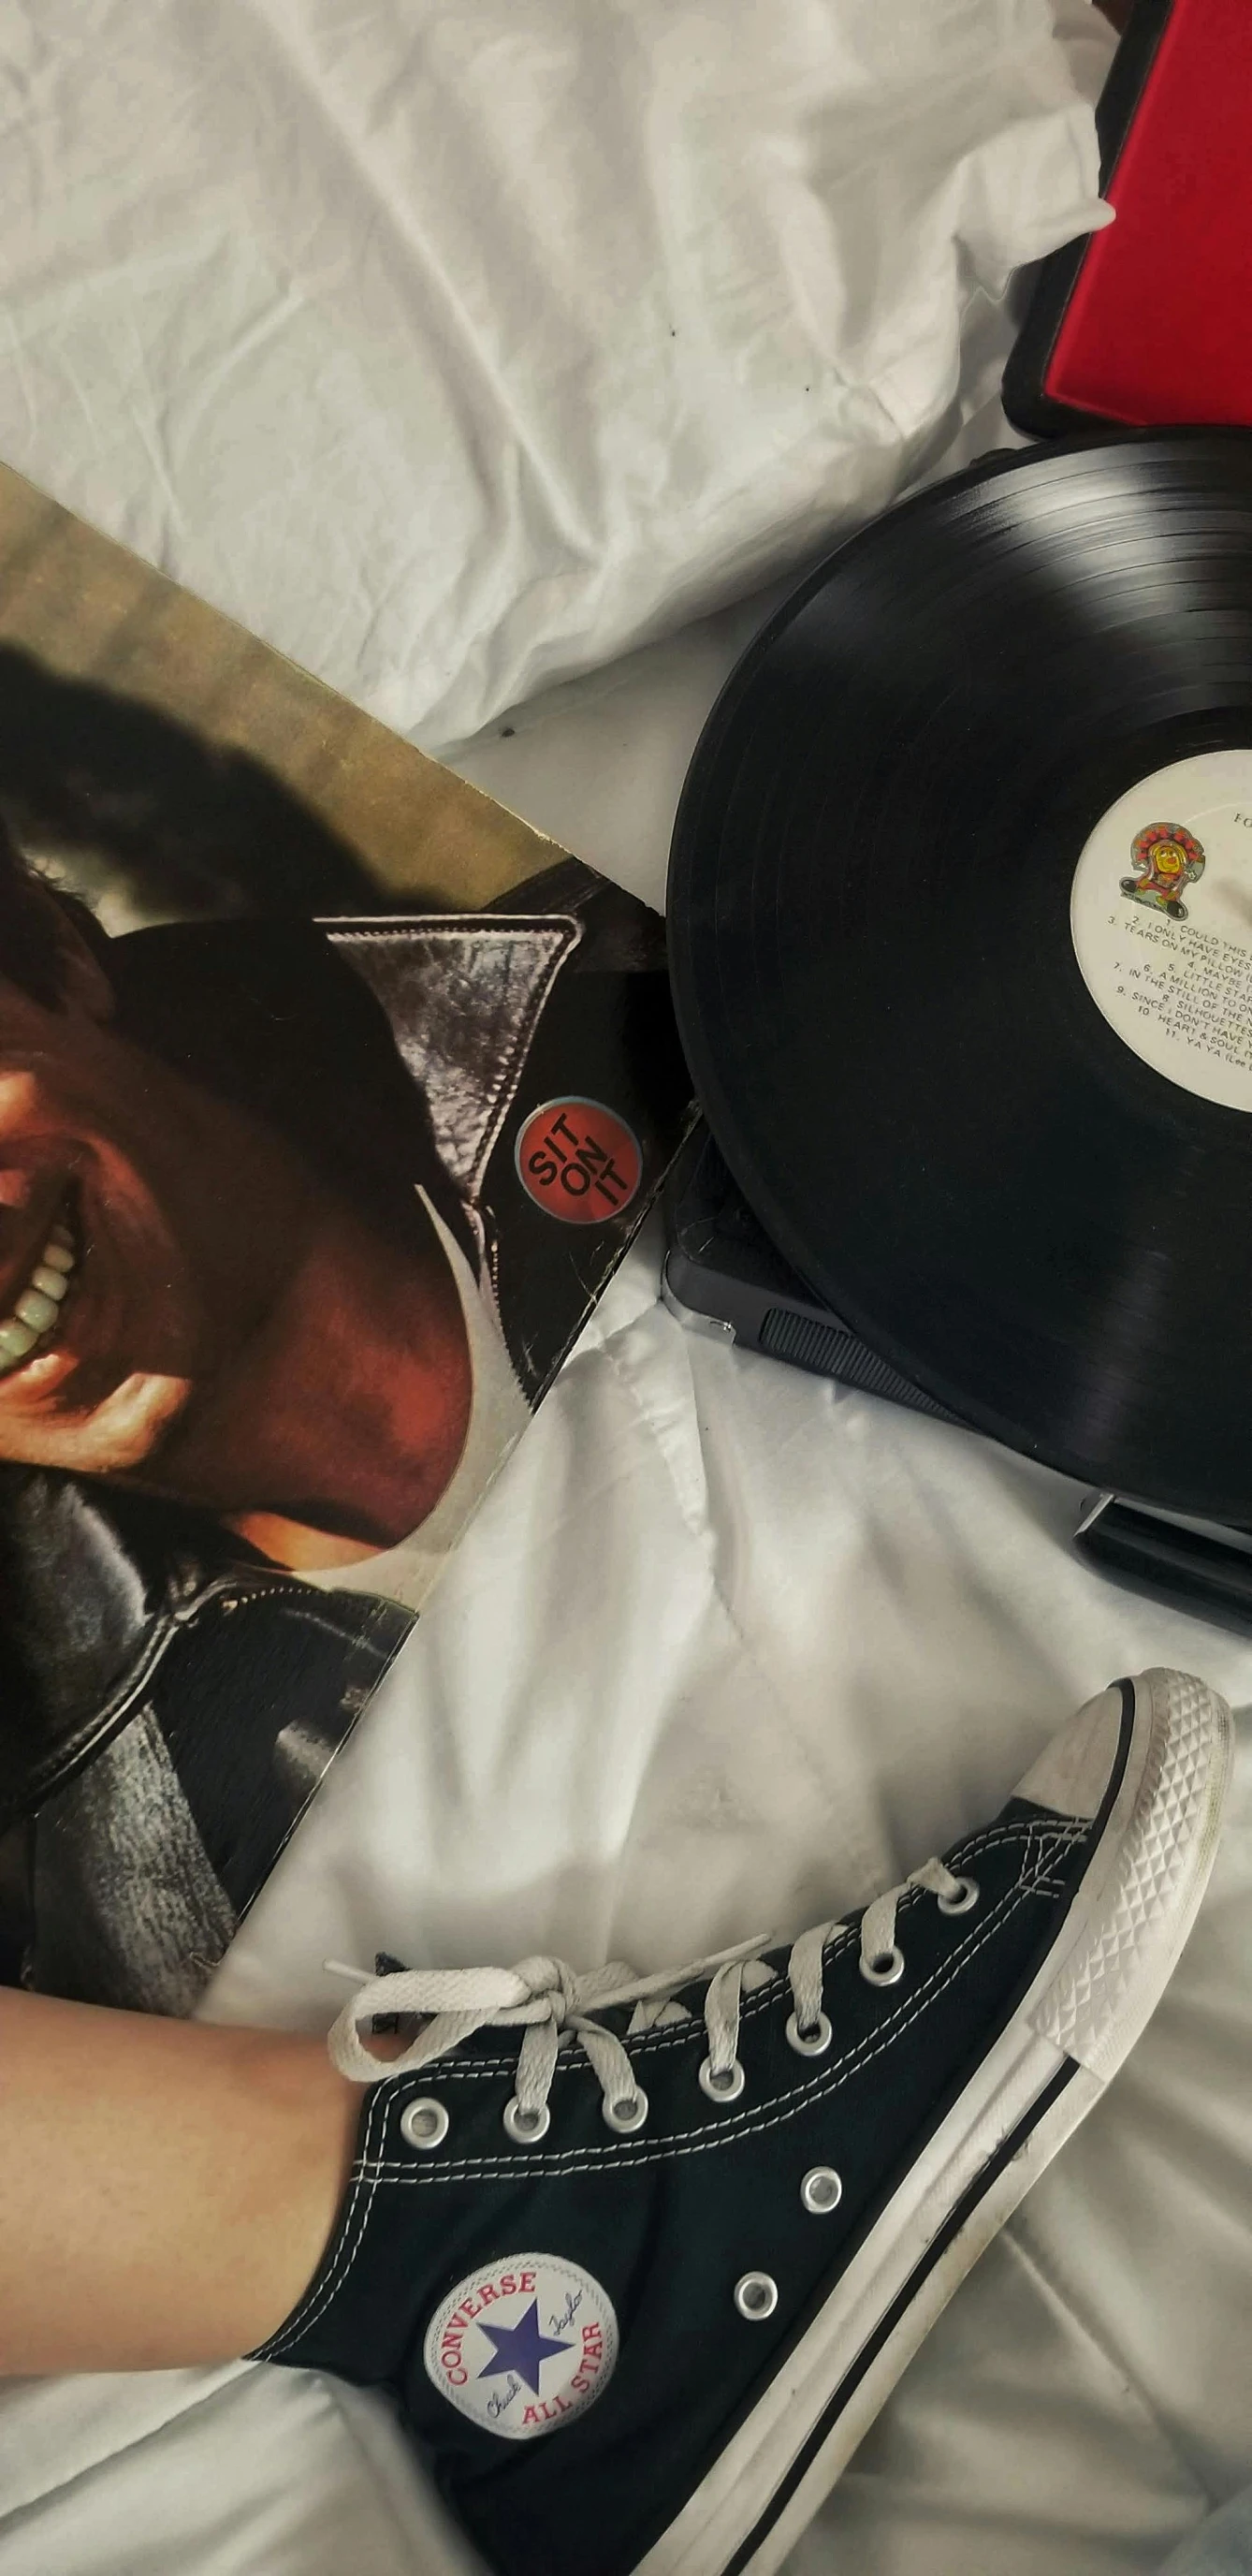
x,y
821,2190
526,2127
885,1969
756,2297
627,2115
962,1904
812,2042
724,2084
424,2124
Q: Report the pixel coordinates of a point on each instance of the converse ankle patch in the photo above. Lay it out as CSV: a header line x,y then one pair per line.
x,y
522,2345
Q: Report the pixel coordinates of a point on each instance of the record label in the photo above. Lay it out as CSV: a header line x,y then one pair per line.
x,y
1161,916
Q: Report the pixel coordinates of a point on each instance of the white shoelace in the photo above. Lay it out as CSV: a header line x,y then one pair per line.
x,y
552,2006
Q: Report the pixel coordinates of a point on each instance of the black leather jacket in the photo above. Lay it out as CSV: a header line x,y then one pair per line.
x,y
169,1700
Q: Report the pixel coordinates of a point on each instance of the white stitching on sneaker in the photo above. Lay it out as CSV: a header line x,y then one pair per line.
x,y
320,2291
550,2003
547,2002
800,2096
373,2169
670,2034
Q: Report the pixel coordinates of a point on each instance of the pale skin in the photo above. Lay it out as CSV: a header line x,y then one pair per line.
x,y
166,2189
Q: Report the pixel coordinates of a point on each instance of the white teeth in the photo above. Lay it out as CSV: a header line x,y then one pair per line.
x,y
32,1308
39,1306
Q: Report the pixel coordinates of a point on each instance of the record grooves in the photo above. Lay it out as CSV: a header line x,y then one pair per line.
x,y
970,1018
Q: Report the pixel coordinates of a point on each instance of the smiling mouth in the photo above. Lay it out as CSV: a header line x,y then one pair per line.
x,y
31,1325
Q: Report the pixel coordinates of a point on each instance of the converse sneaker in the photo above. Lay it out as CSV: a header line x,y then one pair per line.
x,y
647,2265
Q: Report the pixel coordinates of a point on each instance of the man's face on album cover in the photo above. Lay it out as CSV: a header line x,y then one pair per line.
x,y
178,1293
84,1154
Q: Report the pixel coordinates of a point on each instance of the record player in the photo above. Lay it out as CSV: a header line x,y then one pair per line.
x,y
723,1276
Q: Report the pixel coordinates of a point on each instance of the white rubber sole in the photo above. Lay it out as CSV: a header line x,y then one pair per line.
x,y
1111,1961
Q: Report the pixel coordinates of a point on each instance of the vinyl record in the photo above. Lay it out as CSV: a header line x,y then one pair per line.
x,y
961,931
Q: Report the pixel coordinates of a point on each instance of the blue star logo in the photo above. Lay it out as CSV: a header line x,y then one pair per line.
x,y
522,2348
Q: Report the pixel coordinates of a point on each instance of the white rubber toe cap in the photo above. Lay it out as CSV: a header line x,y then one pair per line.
x,y
1073,1773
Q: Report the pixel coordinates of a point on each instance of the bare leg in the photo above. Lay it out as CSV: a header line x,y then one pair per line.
x,y
166,2189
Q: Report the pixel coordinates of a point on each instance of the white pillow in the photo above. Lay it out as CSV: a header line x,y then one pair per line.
x,y
459,347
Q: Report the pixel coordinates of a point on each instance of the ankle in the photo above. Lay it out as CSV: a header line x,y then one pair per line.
x,y
301,2118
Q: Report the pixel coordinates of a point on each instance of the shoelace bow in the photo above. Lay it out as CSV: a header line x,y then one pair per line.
x,y
552,2006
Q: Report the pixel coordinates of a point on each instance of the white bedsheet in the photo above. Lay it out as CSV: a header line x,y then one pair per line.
x,y
727,1647
457,348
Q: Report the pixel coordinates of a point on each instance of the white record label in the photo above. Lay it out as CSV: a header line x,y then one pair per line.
x,y
1161,916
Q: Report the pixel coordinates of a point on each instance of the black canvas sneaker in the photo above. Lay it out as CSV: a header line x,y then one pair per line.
x,y
642,2257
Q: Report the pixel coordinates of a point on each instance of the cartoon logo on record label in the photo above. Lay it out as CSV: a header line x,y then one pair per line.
x,y
1164,859
579,1161
524,2345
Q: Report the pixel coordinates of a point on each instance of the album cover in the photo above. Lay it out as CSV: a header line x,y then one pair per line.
x,y
330,1095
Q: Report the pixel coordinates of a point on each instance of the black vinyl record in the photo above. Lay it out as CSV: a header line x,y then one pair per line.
x,y
1023,1175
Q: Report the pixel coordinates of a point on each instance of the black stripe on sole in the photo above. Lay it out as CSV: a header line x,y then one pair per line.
x,y
957,2218
941,2111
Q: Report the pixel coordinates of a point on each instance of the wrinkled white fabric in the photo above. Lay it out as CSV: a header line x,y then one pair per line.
x,y
460,348
228,2472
